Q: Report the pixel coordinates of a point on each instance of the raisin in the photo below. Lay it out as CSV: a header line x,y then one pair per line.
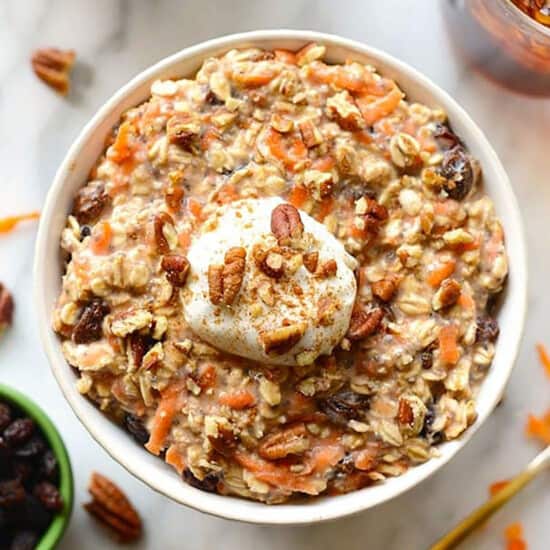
x,y
445,137
33,447
139,344
47,468
24,540
212,99
88,329
19,431
85,231
344,406
48,495
30,514
433,437
5,415
457,169
89,203
12,492
209,483
427,359
135,426
487,329
22,470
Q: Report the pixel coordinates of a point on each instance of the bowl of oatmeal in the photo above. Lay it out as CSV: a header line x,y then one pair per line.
x,y
289,278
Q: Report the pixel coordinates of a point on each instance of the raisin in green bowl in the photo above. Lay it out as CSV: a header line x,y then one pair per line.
x,y
27,407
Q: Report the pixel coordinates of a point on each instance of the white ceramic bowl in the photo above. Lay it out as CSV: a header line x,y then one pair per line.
x,y
73,173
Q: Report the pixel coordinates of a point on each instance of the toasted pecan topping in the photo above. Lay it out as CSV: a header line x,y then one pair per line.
x,y
52,66
326,310
364,323
405,413
224,281
447,294
280,340
310,133
162,223
272,264
286,223
385,289
327,269
311,260
176,268
290,441
183,129
111,507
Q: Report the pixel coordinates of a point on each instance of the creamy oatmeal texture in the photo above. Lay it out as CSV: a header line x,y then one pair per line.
x,y
280,277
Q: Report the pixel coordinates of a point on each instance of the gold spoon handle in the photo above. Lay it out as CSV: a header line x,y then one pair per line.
x,y
486,510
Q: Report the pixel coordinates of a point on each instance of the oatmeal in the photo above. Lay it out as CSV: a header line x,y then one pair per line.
x,y
280,277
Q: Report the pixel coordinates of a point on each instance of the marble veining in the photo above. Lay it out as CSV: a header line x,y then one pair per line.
x,y
115,39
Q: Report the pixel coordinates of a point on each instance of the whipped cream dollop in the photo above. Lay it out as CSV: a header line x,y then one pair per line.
x,y
295,296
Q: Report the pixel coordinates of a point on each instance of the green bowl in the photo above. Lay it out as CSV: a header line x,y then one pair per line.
x,y
56,529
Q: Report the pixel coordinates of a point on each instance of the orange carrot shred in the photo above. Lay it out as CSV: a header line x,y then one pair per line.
x,y
162,421
9,223
544,358
175,459
514,537
238,400
298,196
102,238
436,276
448,344
497,486
539,428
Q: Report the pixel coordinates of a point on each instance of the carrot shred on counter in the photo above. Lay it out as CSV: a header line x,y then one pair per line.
x,y
238,400
544,358
448,344
497,486
514,537
539,428
8,224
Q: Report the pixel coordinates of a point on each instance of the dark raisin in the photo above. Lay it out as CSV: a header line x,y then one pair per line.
x,y
88,329
85,231
48,494
457,169
5,415
12,492
24,540
135,426
33,447
344,406
346,464
433,437
487,329
212,99
139,344
426,359
23,470
445,137
47,468
19,431
209,483
30,514
89,203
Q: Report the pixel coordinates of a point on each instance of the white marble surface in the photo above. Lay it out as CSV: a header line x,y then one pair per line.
x,y
115,39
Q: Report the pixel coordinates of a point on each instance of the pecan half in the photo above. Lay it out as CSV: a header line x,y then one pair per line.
x,y
176,268
88,329
159,222
385,289
447,295
280,340
52,66
89,203
111,507
364,323
183,129
224,281
291,441
286,223
6,308
311,260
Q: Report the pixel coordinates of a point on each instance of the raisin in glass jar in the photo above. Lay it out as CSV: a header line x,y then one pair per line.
x,y
508,41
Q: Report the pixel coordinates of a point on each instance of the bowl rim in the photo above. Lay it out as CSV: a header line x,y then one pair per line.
x,y
259,512
57,527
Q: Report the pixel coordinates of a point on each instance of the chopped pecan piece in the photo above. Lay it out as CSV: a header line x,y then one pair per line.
x,y
311,259
173,196
224,281
52,66
225,442
447,295
176,268
290,441
163,224
280,340
111,507
327,269
385,289
88,329
341,107
272,265
89,203
286,223
6,308
311,135
183,129
405,413
326,311
364,323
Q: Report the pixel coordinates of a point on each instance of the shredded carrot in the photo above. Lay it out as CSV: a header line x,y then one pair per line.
x,y
326,456
323,164
514,537
447,344
9,223
365,460
238,400
363,137
101,238
539,428
227,193
288,155
164,415
121,149
255,78
207,376
497,486
175,459
465,301
285,56
325,208
544,358
184,239
209,135
298,196
436,276
195,207
352,76
374,109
